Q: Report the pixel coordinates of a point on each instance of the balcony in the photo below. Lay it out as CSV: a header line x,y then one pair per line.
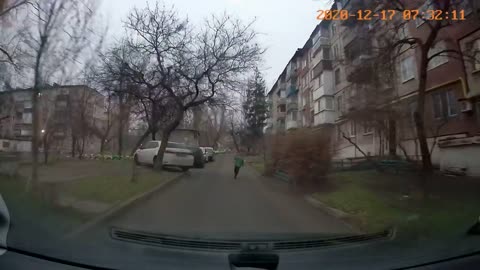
x,y
360,70
359,34
281,115
291,124
321,42
281,101
323,65
325,117
319,92
292,91
293,105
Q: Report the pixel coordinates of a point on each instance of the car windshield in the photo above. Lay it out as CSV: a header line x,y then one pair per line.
x,y
177,145
304,120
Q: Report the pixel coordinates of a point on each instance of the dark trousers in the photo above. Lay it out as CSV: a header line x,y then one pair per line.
x,y
237,169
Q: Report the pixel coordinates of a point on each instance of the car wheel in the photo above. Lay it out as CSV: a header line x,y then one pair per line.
x,y
185,169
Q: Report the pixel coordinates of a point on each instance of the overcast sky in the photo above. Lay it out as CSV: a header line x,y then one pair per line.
x,y
285,25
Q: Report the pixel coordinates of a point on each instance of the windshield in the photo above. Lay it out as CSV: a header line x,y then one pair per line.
x,y
317,119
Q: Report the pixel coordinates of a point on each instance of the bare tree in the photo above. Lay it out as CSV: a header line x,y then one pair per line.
x,y
193,68
423,45
9,42
58,32
104,131
49,119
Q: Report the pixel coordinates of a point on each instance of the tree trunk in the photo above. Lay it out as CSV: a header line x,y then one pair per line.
x,y
82,149
74,146
121,126
197,118
45,149
392,137
139,142
165,137
32,184
102,146
419,115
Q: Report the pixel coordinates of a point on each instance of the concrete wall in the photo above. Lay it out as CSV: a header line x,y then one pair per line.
x,y
461,157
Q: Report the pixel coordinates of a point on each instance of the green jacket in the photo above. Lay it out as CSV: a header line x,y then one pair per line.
x,y
239,162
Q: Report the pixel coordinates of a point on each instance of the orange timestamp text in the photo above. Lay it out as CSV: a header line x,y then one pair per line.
x,y
390,14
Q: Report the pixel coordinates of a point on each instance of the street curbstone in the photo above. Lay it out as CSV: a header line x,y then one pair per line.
x,y
121,206
338,214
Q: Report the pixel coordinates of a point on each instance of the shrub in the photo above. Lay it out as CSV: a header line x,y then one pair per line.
x,y
304,154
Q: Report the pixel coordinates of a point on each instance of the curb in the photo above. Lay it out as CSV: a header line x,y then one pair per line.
x,y
339,214
119,207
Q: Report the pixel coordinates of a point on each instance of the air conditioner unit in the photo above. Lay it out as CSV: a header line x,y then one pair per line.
x,y
466,105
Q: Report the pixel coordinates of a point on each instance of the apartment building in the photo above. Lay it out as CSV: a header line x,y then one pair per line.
x,y
71,116
340,61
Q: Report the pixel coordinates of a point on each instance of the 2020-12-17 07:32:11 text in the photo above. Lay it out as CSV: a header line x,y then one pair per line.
x,y
389,14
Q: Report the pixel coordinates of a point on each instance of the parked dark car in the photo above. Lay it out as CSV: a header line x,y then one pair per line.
x,y
198,158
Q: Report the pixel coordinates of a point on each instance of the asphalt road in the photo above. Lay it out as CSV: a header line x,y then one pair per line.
x,y
209,202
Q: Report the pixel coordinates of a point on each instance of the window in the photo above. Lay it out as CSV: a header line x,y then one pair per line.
x,y
437,106
407,69
423,10
463,5
475,51
25,132
294,116
452,103
319,105
340,104
339,132
61,104
403,32
353,129
326,53
367,127
445,104
438,60
282,108
151,145
329,103
6,144
477,60
27,118
333,29
337,76
27,104
335,52
312,117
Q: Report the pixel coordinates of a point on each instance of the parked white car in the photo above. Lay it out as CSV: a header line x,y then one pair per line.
x,y
176,155
209,153
205,154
